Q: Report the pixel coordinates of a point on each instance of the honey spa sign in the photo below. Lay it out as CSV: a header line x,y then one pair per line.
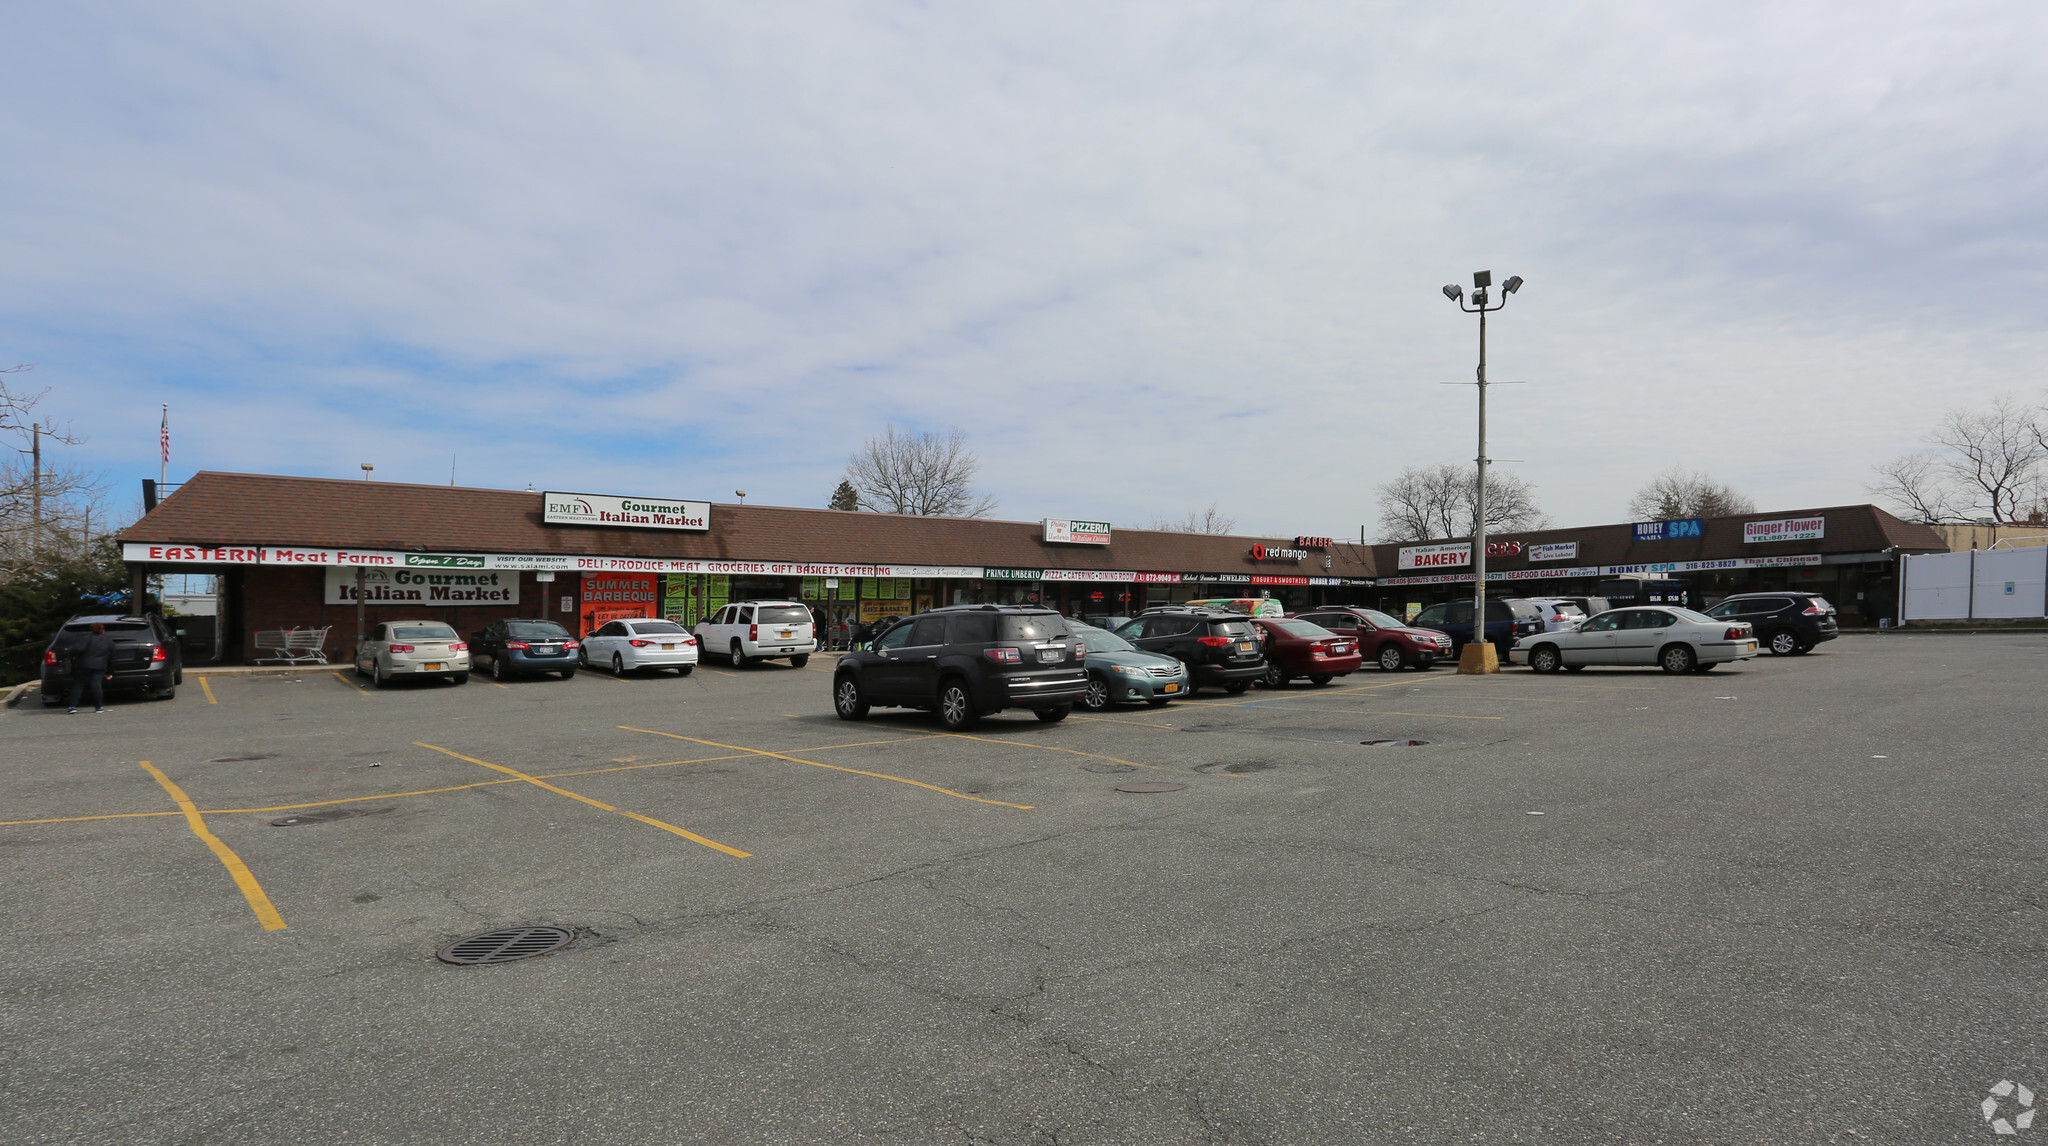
x,y
630,512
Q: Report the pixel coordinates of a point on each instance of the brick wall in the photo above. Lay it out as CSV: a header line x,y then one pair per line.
x,y
284,597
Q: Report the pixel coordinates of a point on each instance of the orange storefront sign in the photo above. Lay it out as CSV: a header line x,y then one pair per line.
x,y
609,596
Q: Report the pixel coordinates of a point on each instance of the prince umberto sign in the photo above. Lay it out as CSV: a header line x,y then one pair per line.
x,y
627,512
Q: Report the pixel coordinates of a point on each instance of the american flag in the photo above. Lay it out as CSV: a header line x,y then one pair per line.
x,y
164,436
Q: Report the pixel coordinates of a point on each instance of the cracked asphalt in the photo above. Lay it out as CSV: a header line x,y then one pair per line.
x,y
1798,901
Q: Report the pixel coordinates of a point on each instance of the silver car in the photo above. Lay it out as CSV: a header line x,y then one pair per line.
x,y
1677,640
412,648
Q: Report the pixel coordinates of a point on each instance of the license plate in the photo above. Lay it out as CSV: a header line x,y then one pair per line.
x,y
668,646
1171,688
1752,646
788,633
1244,646
1046,656
433,666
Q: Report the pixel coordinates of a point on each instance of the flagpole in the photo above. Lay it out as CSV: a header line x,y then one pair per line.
x,y
163,469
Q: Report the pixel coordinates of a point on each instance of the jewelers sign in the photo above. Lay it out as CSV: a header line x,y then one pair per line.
x,y
1435,556
627,512
432,588
1785,529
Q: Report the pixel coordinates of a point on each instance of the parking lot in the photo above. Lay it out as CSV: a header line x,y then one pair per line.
x,y
1799,900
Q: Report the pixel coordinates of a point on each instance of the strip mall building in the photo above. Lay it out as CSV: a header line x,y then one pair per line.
x,y
301,552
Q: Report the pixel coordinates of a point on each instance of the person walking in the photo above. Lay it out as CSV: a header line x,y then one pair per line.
x,y
92,661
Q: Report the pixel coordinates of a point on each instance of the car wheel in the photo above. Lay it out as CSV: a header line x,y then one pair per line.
x,y
1678,659
846,699
1054,714
618,665
739,656
1237,687
459,678
956,708
1784,644
1545,658
1390,658
498,668
800,660
1276,677
377,677
685,670
582,657
1097,697
568,674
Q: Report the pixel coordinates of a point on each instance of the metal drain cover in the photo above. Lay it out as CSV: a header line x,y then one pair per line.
x,y
506,946
1237,767
1394,743
293,821
1150,786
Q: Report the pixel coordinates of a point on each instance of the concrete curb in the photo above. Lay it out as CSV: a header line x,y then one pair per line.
x,y
260,670
15,694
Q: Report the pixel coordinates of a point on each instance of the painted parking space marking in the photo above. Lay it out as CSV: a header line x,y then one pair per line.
x,y
244,879
538,782
833,767
208,690
353,686
1054,748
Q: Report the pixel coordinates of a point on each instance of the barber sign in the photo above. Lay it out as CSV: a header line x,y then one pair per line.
x,y
1435,556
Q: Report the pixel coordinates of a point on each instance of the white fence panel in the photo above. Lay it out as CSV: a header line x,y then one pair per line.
x,y
2011,582
1936,587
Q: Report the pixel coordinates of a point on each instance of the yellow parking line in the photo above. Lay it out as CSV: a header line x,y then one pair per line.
x,y
243,877
208,690
537,782
506,687
358,688
1057,748
81,819
833,767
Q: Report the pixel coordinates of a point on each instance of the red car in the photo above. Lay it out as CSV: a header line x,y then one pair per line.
x,y
1297,648
1381,637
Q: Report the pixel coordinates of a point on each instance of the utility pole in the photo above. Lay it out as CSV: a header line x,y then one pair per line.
x,y
1479,655
35,489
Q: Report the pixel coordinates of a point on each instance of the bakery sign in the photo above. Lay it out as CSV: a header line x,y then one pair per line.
x,y
1074,531
1785,529
625,512
1435,556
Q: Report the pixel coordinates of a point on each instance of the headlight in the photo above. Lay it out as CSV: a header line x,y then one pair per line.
x,y
1128,670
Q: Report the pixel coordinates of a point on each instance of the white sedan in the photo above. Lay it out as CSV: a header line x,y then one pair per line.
x,y
1677,640
640,642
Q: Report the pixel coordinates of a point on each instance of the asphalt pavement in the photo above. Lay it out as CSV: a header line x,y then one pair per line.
x,y
1799,900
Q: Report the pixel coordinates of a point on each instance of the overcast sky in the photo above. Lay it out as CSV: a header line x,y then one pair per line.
x,y
1147,256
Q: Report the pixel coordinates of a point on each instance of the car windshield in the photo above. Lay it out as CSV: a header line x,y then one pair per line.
x,y
1380,620
535,629
1101,642
422,633
782,615
657,628
1033,626
1303,629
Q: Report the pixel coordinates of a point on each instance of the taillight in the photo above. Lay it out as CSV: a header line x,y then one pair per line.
x,y
1735,633
1080,652
689,640
459,647
401,648
517,645
1004,656
569,644
157,654
753,632
639,644
1814,611
1215,642
50,656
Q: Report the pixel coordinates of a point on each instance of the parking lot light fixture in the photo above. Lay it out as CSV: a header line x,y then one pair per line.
x,y
1479,655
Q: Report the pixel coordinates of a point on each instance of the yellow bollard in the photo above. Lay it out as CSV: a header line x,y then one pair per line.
x,y
1478,657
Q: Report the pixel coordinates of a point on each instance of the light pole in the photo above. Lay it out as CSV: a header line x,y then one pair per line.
x,y
1479,655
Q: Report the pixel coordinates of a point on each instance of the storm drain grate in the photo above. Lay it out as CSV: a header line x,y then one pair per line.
x,y
1394,743
506,945
1150,786
300,818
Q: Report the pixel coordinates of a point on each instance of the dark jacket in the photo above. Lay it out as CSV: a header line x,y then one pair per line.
x,y
90,651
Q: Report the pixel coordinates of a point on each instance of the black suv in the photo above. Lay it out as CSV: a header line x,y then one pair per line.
x,y
1786,622
966,662
519,646
147,657
1219,648
1507,620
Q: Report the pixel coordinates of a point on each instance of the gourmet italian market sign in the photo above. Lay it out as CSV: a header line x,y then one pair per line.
x,y
431,588
626,512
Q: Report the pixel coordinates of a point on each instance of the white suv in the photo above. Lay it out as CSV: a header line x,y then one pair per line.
x,y
747,631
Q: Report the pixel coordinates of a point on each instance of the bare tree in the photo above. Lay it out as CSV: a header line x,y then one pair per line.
x,y
1676,494
1210,520
924,474
1430,502
44,507
1984,465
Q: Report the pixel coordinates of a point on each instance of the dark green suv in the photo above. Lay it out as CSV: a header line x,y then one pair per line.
x,y
1220,649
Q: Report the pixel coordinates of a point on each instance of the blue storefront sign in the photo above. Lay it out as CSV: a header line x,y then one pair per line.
x,y
1670,530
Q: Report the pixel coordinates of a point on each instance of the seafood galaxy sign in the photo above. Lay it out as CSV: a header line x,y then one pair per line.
x,y
630,512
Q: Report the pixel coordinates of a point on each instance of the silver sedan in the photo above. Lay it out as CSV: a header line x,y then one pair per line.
x,y
1676,640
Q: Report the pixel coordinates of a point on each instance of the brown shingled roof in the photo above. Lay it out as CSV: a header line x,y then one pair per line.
x,y
225,509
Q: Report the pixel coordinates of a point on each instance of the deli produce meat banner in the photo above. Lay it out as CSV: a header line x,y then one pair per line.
x,y
432,588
